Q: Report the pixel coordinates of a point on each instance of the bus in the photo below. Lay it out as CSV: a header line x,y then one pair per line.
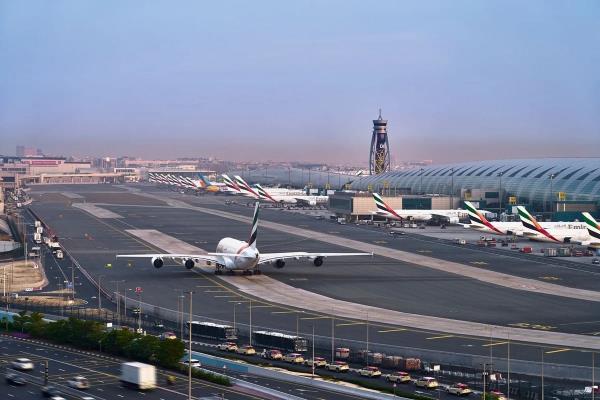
x,y
212,330
281,341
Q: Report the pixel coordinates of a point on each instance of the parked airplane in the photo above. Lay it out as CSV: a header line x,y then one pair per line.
x,y
556,232
233,255
384,210
593,228
481,223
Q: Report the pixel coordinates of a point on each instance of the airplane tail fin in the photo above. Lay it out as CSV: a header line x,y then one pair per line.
x,y
263,193
592,225
475,216
530,222
383,207
243,185
254,231
230,183
205,180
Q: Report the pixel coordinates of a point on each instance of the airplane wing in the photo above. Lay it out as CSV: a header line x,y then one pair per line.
x,y
270,257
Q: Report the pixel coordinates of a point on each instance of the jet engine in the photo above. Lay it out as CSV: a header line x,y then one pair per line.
x,y
318,261
189,263
453,220
157,262
279,263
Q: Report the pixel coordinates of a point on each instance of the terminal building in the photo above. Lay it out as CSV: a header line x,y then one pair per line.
x,y
551,185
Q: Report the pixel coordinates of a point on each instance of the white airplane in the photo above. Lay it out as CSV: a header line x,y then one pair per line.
x,y
480,223
453,216
237,255
554,232
593,228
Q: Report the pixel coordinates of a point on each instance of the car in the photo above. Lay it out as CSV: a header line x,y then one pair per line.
x,y
15,379
135,310
50,391
194,363
495,395
272,354
338,366
57,397
79,382
22,364
399,377
294,358
427,382
595,261
246,350
371,372
227,346
318,362
459,389
168,336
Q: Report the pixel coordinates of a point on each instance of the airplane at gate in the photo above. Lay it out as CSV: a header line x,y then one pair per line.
x,y
238,255
555,232
385,210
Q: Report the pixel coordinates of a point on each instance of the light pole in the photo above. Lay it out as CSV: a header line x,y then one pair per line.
x,y
118,301
543,374
250,324
500,194
332,337
367,339
139,311
99,293
452,188
508,368
551,176
190,349
593,374
313,351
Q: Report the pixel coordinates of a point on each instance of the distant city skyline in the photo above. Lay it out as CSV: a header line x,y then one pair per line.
x,y
301,81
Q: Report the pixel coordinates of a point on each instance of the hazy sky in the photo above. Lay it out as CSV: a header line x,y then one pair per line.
x,y
301,80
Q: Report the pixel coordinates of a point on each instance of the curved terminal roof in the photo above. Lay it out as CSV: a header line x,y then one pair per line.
x,y
531,180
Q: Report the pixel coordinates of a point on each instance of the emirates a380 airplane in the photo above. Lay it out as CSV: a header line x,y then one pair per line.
x,y
237,255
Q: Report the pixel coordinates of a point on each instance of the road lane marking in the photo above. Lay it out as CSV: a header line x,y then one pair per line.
x,y
319,317
495,344
392,330
352,323
283,312
227,295
439,337
557,351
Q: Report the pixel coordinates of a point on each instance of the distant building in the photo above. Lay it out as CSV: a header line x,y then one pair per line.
x,y
24,151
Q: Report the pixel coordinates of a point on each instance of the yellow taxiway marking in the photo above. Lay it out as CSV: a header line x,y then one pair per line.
x,y
533,326
352,323
439,337
423,251
320,317
494,344
557,351
549,278
392,330
380,241
283,312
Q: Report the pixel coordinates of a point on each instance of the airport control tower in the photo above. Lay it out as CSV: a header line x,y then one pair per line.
x,y
379,156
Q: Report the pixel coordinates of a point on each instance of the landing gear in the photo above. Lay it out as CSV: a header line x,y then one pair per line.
x,y
230,272
218,269
257,272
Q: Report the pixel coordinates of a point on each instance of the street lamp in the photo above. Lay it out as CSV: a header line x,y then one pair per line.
x,y
99,293
118,301
500,193
551,176
190,349
250,324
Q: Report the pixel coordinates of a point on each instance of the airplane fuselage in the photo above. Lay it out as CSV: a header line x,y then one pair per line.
x,y
248,259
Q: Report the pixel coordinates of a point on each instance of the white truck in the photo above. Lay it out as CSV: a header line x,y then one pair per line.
x,y
37,237
59,254
138,375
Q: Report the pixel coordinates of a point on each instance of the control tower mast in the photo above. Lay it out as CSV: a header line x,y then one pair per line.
x,y
379,156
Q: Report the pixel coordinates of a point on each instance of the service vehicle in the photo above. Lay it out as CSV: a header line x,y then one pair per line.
x,y
595,261
272,354
22,364
280,341
427,382
399,377
371,372
246,350
338,366
79,382
294,358
15,379
318,362
227,346
59,254
212,330
459,389
526,249
194,363
138,375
